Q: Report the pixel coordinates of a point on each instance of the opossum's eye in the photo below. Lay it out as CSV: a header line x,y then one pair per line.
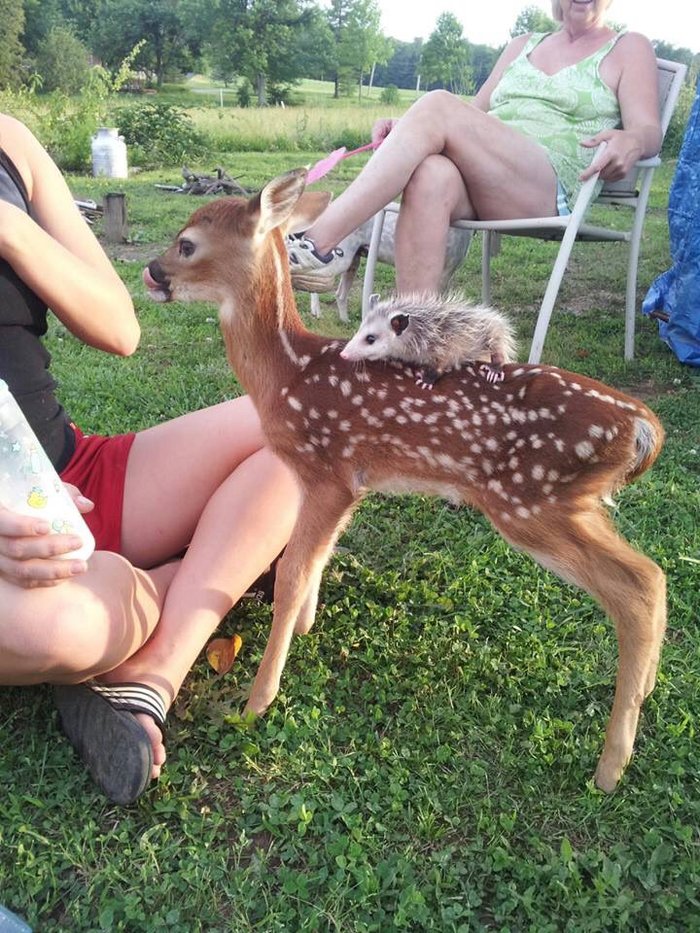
x,y
370,338
186,247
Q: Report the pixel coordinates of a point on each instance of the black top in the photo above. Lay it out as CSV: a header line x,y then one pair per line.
x,y
24,361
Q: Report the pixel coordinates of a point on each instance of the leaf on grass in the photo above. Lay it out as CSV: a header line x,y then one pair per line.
x,y
221,653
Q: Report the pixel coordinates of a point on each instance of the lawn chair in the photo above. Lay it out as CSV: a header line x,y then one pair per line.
x,y
631,191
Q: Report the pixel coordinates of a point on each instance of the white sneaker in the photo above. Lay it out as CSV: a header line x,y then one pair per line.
x,y
304,257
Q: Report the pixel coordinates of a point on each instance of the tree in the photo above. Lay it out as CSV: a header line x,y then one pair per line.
x,y
11,51
40,17
532,19
359,41
403,67
261,40
445,56
121,24
62,61
316,47
482,58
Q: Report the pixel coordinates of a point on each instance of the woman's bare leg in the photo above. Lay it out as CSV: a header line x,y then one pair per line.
x,y
434,196
505,173
202,482
236,506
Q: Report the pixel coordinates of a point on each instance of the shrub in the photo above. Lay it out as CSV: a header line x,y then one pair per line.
x,y
158,134
389,95
676,129
62,61
244,93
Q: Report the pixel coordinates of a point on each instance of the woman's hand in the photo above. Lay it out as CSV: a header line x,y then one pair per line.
x,y
621,151
30,554
381,130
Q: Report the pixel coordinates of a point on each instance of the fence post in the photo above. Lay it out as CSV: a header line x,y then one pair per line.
x,y
115,225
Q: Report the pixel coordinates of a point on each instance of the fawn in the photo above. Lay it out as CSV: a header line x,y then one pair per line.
x,y
536,453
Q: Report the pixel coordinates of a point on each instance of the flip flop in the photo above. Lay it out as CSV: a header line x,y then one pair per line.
x,y
263,589
99,722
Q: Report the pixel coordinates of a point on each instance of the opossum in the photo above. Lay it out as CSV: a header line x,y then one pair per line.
x,y
435,333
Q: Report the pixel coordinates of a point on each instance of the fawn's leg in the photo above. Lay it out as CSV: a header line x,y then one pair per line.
x,y
583,548
323,513
307,613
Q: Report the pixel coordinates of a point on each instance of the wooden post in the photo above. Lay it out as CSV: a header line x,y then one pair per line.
x,y
115,225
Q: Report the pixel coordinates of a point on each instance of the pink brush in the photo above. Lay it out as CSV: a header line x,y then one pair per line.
x,y
324,166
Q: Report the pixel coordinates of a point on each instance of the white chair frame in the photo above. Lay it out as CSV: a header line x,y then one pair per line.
x,y
631,191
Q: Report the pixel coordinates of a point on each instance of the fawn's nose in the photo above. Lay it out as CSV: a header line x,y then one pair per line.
x,y
153,275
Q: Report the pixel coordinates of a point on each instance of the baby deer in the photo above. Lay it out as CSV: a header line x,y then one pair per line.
x,y
536,453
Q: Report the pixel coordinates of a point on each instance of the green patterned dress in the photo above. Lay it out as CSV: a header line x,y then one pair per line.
x,y
558,110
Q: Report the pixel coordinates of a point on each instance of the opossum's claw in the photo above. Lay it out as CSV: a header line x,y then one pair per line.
x,y
492,373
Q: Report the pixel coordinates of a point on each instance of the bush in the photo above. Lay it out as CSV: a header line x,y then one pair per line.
x,y
62,62
389,95
158,134
244,93
676,129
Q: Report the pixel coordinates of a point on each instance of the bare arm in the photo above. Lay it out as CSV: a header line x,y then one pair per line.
x,y
482,99
57,255
637,93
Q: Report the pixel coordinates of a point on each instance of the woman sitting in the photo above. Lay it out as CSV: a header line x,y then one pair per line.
x,y
521,148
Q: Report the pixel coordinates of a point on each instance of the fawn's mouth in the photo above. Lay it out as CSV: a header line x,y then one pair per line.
x,y
156,282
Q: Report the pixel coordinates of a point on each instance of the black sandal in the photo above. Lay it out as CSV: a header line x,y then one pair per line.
x,y
263,589
99,722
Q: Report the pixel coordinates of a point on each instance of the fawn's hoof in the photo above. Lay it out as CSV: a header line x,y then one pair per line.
x,y
607,776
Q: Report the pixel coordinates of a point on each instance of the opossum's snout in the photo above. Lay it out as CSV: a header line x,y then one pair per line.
x,y
357,348
349,353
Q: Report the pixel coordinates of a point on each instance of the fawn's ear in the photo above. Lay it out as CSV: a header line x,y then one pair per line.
x,y
399,323
278,199
283,203
309,206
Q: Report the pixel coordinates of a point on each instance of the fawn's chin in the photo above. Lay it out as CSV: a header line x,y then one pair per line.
x,y
159,294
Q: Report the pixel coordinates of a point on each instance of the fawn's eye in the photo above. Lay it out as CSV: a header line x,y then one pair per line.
x,y
186,247
370,338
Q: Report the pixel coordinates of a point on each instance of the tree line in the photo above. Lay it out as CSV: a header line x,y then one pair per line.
x,y
265,47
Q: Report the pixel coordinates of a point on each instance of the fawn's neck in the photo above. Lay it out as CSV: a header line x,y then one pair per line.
x,y
266,340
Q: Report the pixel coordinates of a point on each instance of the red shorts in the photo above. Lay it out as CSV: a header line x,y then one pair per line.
x,y
98,469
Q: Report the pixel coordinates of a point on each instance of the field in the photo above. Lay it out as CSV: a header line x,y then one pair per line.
x,y
428,763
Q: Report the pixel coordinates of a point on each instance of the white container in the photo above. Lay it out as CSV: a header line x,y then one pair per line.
x,y
28,482
109,154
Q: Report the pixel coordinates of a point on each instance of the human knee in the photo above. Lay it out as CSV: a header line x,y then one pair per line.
x,y
432,180
436,103
85,626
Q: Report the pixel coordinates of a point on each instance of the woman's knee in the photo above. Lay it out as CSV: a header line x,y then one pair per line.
x,y
76,629
436,187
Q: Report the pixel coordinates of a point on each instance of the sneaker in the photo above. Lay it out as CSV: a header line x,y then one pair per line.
x,y
304,257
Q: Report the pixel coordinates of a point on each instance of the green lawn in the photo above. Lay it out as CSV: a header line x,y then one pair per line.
x,y
428,763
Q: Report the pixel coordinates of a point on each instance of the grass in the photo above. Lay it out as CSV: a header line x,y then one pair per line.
x,y
427,765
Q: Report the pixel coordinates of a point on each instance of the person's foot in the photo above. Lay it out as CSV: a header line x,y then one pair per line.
x,y
117,730
305,258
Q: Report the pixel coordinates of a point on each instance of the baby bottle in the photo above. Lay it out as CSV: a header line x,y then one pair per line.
x,y
28,482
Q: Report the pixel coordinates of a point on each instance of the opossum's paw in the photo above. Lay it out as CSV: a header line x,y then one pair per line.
x,y
427,378
424,383
491,372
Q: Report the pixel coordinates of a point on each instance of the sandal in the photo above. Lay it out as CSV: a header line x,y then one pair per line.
x,y
263,589
99,722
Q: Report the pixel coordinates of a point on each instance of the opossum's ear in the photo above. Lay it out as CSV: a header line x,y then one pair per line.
x,y
399,323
